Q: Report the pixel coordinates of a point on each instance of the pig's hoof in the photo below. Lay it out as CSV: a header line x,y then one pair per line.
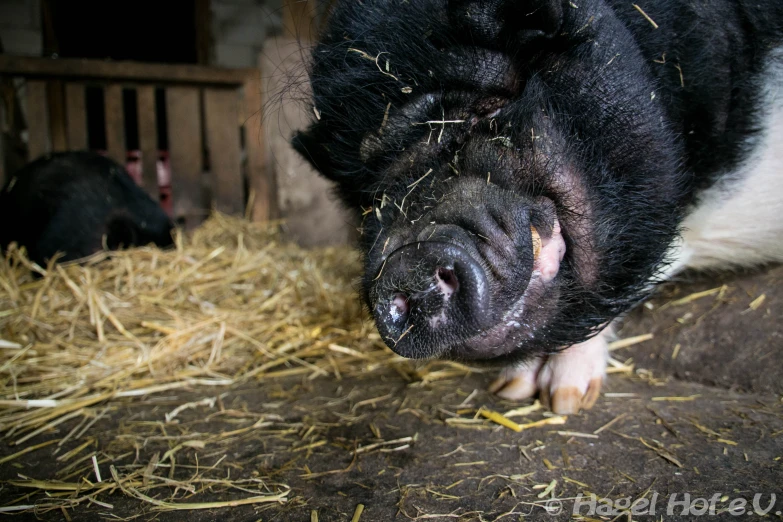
x,y
567,382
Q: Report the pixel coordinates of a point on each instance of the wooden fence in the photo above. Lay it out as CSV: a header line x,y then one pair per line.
x,y
210,112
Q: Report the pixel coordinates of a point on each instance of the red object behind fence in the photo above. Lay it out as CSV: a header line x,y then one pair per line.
x,y
133,166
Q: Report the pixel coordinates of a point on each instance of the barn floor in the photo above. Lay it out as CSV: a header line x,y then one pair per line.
x,y
408,445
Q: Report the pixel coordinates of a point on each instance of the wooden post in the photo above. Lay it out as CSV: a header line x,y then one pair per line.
x,y
203,15
298,16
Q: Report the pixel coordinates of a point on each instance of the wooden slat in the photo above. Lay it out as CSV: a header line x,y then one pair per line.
x,y
37,120
115,123
76,115
184,133
221,110
148,140
68,68
261,179
56,100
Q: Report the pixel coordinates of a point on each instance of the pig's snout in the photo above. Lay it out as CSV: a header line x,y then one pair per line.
x,y
475,281
430,295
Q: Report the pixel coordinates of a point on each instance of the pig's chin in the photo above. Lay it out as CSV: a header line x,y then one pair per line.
x,y
519,324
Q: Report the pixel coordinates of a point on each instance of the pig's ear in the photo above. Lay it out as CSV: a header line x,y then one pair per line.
x,y
316,154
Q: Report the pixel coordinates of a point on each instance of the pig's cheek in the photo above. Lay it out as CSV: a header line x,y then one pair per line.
x,y
572,379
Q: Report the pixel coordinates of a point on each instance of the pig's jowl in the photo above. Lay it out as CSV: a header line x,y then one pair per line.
x,y
75,204
527,170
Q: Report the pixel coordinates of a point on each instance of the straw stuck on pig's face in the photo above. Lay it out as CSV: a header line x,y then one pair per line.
x,y
517,193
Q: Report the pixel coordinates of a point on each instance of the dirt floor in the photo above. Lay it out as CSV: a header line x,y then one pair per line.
x,y
697,410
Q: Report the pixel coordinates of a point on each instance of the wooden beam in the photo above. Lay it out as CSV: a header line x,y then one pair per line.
x,y
106,71
221,110
148,140
37,120
76,116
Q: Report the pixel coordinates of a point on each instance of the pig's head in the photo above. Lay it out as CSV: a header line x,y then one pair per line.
x,y
517,183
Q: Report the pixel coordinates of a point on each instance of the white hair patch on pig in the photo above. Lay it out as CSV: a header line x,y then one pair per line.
x,y
738,222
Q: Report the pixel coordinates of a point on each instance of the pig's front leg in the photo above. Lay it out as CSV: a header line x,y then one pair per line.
x,y
567,382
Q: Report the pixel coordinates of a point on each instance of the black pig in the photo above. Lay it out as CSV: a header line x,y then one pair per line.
x,y
528,170
76,203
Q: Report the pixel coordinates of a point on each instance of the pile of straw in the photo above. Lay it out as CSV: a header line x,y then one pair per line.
x,y
231,304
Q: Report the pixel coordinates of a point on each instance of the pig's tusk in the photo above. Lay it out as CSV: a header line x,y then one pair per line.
x,y
536,242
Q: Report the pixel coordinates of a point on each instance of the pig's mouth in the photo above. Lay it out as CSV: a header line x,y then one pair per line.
x,y
474,288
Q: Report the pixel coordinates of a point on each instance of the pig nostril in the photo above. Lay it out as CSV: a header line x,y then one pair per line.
x,y
447,281
399,307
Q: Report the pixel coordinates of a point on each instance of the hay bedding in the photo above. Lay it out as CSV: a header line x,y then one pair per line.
x,y
232,304
147,344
